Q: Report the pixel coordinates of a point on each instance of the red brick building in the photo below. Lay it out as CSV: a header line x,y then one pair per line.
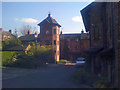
x,y
101,19
66,46
49,34
72,46
7,35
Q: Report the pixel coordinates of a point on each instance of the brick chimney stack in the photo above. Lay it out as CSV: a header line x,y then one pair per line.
x,y
82,31
36,33
1,29
49,15
29,32
10,31
61,32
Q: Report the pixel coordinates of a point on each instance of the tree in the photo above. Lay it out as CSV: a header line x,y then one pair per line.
x,y
25,28
11,43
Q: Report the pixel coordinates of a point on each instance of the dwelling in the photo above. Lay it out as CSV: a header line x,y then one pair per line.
x,y
7,35
50,35
22,48
73,45
102,21
29,37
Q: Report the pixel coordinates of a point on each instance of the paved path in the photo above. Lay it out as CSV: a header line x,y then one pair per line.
x,y
54,76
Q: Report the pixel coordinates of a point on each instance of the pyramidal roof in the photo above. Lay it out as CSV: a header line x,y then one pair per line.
x,y
50,20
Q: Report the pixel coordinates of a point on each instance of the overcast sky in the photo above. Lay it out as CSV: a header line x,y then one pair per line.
x,y
67,14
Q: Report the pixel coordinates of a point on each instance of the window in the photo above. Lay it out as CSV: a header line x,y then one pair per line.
x,y
76,47
47,32
4,36
54,42
77,40
8,37
54,31
96,33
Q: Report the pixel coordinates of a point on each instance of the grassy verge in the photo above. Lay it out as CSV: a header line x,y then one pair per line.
x,y
90,79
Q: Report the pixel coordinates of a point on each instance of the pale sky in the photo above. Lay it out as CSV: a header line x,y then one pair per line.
x,y
67,14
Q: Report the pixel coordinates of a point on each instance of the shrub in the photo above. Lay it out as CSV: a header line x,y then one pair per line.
x,y
8,57
102,83
84,77
24,62
10,43
91,79
36,56
44,53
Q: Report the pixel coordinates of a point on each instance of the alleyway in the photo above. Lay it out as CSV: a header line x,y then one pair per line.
x,y
54,76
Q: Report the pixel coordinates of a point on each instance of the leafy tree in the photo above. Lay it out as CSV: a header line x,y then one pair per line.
x,y
42,53
11,43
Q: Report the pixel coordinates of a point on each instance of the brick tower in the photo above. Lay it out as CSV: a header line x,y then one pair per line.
x,y
49,34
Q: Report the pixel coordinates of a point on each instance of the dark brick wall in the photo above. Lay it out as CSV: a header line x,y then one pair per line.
x,y
74,47
96,24
118,8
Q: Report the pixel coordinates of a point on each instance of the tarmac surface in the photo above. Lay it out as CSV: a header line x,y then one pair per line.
x,y
53,76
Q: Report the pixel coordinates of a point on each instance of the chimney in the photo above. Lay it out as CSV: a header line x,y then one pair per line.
x,y
29,32
10,31
82,31
36,33
49,15
1,29
61,32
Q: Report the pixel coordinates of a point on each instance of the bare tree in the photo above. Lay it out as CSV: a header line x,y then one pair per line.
x,y
25,28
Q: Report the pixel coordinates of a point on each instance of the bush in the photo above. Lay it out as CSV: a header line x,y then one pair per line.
x,y
64,61
8,57
10,43
44,53
102,83
34,58
24,62
84,77
91,79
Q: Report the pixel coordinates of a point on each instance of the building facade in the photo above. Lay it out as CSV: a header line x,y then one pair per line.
x,y
7,35
101,19
49,34
72,46
65,46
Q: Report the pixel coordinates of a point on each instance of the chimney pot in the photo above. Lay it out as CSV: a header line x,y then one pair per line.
x,y
10,31
61,32
1,29
82,31
49,15
29,32
36,33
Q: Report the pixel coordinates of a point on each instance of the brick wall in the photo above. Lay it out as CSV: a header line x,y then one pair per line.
x,y
43,36
96,24
118,43
75,47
